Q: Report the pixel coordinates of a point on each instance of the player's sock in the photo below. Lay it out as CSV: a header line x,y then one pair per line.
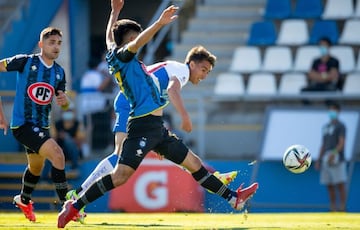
x,y
59,179
94,192
210,182
29,182
104,167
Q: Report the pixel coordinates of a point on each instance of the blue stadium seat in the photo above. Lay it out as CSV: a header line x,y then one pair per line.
x,y
308,9
324,28
277,9
262,33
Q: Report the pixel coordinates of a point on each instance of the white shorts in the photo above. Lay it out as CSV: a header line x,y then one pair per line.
x,y
332,175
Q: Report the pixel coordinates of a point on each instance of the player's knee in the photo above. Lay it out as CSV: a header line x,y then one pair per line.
x,y
121,175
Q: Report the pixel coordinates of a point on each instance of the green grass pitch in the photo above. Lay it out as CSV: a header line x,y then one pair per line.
x,y
48,220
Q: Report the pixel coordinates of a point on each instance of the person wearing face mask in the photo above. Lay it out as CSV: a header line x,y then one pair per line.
x,y
331,162
324,74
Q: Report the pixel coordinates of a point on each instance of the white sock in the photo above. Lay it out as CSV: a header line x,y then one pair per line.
x,y
103,168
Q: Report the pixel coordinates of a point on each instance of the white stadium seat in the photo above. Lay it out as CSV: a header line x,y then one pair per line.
x,y
277,59
261,84
229,84
352,84
246,59
338,9
304,57
293,32
345,55
351,32
292,83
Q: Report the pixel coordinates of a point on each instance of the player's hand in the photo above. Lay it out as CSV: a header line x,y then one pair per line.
x,y
4,125
117,5
168,15
61,99
186,124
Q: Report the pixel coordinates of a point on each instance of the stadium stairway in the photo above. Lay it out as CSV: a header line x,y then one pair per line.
x,y
12,167
220,26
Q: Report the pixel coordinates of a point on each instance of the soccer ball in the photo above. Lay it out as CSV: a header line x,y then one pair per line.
x,y
297,159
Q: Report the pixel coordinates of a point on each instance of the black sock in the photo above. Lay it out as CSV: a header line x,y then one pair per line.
x,y
78,190
29,182
212,183
59,179
99,188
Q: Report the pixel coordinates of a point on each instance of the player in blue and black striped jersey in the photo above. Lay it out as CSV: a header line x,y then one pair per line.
x,y
148,92
39,80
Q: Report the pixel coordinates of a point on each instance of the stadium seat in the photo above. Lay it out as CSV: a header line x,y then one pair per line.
x,y
229,84
352,84
293,32
338,9
262,33
351,32
304,57
261,84
246,59
324,28
277,59
345,55
292,83
277,9
308,9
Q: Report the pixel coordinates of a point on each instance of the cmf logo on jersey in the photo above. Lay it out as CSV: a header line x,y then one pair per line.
x,y
41,93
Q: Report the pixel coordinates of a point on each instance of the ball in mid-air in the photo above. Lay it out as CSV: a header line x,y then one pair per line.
x,y
297,158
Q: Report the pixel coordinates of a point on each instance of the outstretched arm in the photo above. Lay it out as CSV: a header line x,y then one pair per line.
x,y
167,16
174,92
116,6
3,122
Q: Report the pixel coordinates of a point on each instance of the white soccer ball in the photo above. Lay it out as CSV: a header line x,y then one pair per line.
x,y
297,158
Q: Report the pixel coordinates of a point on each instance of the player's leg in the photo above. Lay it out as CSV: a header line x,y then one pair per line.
x,y
332,197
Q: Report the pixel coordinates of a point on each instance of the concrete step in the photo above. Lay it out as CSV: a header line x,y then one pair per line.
x,y
210,37
236,2
215,11
220,50
218,25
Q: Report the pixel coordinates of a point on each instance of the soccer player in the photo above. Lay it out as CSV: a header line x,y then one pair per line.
x,y
39,80
108,164
148,91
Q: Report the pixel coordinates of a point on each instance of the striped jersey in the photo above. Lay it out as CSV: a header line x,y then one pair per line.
x,y
36,85
145,87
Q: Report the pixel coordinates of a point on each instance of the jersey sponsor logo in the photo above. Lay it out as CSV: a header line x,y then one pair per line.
x,y
41,93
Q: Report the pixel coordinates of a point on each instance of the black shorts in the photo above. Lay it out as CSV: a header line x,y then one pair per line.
x,y
31,137
146,134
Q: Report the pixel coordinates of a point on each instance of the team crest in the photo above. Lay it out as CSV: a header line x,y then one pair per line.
x,y
41,93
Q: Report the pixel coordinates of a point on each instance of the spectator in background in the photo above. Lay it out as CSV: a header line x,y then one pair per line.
x,y
108,84
324,74
331,161
91,98
69,134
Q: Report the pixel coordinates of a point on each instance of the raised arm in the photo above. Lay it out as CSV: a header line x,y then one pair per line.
x,y
116,6
167,16
3,122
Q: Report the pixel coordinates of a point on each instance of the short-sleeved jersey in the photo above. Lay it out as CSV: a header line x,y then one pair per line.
x,y
331,134
145,87
36,85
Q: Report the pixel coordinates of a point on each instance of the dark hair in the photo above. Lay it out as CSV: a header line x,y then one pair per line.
x,y
325,39
199,53
334,104
48,31
123,28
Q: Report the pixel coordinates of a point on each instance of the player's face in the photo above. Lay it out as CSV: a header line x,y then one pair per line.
x,y
51,47
199,71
